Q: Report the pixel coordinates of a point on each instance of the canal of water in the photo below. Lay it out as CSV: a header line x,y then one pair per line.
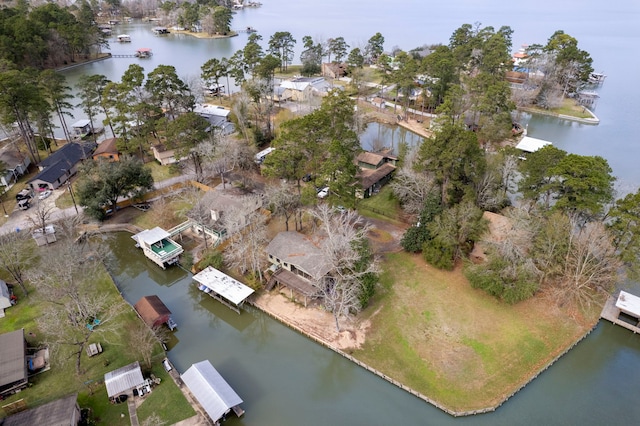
x,y
286,379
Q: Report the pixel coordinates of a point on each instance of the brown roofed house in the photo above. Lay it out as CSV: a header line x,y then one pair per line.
x,y
107,150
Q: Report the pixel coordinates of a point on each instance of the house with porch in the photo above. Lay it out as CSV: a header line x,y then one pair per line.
x,y
56,169
158,246
297,265
15,165
107,150
375,170
221,207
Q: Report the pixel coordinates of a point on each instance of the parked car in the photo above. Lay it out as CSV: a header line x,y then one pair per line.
x,y
323,192
44,194
307,177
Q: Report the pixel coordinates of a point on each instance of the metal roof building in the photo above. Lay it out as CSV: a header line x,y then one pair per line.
x,y
528,144
220,284
13,364
211,390
61,412
123,379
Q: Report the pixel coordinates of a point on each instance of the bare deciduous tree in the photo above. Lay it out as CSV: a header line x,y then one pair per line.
x,y
284,201
591,266
247,231
74,310
144,340
343,237
41,214
412,189
17,252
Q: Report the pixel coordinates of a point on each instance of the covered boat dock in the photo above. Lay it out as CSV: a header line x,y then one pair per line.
x,y
529,144
158,246
212,392
223,288
623,311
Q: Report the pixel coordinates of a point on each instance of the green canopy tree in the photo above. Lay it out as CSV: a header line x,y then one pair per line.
x,y
583,184
184,134
101,183
454,159
55,90
281,46
311,56
624,226
90,89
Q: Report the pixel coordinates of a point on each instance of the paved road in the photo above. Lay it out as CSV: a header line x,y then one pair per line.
x,y
19,220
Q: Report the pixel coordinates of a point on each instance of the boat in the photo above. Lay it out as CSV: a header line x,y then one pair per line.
x,y
124,38
202,287
143,52
160,30
251,30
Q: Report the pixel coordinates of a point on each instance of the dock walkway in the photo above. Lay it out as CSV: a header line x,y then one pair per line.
x,y
612,314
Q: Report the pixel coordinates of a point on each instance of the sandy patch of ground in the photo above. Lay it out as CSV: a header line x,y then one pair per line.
x,y
315,321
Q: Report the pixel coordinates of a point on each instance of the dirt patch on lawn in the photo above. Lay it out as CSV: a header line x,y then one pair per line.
x,y
315,321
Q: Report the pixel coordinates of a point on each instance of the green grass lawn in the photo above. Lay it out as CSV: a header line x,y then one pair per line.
x,y
160,172
382,205
457,345
166,400
61,379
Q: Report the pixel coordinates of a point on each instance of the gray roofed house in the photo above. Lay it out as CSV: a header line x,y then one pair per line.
x,y
212,391
123,379
217,116
299,263
61,412
218,203
61,165
13,362
15,163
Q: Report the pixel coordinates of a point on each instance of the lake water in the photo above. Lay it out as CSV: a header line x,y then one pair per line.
x,y
287,380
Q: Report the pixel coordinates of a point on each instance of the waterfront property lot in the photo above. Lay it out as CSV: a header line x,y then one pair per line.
x,y
457,345
61,380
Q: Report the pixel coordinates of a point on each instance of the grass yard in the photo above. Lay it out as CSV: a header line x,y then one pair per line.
x,y
160,172
382,205
61,379
166,401
455,344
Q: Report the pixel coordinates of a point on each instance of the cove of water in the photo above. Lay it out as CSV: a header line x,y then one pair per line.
x,y
286,379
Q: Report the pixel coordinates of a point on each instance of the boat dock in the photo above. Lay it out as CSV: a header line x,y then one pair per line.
x,y
623,311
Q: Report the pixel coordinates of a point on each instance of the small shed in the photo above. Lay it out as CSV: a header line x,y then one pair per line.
x,y
61,412
211,390
124,379
13,362
153,312
222,287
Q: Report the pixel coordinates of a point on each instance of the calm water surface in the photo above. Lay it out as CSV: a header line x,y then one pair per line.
x,y
287,380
